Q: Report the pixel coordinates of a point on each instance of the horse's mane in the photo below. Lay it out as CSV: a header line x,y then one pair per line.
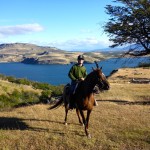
x,y
92,74
89,82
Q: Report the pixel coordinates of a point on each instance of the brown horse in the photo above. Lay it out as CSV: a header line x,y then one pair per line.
x,y
84,96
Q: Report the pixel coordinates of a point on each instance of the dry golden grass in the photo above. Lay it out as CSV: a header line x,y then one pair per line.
x,y
114,125
8,87
125,74
126,92
123,90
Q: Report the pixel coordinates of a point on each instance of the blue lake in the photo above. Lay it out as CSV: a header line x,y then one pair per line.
x,y
58,74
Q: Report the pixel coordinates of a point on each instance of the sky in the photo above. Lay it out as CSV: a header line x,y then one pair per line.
x,y
64,24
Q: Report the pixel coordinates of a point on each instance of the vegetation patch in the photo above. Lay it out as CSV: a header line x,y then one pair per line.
x,y
17,92
144,65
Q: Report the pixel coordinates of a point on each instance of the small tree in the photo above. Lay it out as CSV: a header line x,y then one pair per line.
x,y
130,24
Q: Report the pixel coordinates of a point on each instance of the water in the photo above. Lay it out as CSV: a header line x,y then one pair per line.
x,y
58,74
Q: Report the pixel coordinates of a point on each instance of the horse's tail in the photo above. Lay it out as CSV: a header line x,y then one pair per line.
x,y
58,104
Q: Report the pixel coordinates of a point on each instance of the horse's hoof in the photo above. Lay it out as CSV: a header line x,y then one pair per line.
x,y
65,123
81,123
89,136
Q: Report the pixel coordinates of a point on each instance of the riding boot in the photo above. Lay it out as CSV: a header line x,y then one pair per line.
x,y
95,102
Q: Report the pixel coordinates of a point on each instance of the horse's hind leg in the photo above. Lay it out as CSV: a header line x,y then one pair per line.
x,y
66,112
77,111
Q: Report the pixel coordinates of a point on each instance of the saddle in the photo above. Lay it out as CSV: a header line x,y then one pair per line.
x,y
67,87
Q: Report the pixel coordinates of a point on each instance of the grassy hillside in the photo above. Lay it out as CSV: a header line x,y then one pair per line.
x,y
123,90
118,123
15,92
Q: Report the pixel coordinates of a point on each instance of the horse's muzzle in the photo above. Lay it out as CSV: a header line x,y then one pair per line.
x,y
106,87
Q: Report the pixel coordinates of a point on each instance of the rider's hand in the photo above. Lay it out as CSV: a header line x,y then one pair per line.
x,y
82,79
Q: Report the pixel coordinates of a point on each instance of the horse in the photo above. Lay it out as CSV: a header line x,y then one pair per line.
x,y
84,96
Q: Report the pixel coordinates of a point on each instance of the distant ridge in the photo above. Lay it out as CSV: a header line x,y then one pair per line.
x,y
111,49
26,47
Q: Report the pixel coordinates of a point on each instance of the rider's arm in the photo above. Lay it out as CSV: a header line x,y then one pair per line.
x,y
84,72
71,74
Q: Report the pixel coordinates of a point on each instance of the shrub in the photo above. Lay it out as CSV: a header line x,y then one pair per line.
x,y
5,101
57,90
11,79
22,81
45,96
42,86
18,98
30,97
144,65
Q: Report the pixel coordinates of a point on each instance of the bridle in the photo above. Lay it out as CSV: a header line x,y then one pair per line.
x,y
101,82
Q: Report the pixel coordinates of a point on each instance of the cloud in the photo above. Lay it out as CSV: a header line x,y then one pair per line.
x,y
81,44
19,29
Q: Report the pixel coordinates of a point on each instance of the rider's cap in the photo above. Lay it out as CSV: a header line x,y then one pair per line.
x,y
80,57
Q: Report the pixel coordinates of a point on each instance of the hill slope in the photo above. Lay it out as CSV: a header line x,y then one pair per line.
x,y
30,53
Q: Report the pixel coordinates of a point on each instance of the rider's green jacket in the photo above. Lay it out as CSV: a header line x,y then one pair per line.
x,y
77,72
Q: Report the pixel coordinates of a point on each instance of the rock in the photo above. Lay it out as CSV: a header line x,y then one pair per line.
x,y
30,61
140,80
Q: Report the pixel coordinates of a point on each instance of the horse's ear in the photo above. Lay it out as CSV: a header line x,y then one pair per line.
x,y
96,64
101,68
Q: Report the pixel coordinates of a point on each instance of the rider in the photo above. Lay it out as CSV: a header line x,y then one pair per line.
x,y
77,73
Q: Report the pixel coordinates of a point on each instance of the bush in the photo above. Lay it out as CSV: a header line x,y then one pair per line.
x,y
2,76
42,86
18,98
144,65
5,101
30,97
11,79
45,96
23,81
57,90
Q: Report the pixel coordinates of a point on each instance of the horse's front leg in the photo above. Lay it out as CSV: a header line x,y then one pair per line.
x,y
77,111
83,117
87,123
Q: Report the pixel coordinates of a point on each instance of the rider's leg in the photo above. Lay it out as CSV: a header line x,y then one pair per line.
x,y
71,99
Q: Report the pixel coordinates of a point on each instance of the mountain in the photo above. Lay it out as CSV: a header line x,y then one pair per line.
x,y
34,54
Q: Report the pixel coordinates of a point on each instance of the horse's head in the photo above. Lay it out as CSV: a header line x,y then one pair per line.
x,y
100,79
